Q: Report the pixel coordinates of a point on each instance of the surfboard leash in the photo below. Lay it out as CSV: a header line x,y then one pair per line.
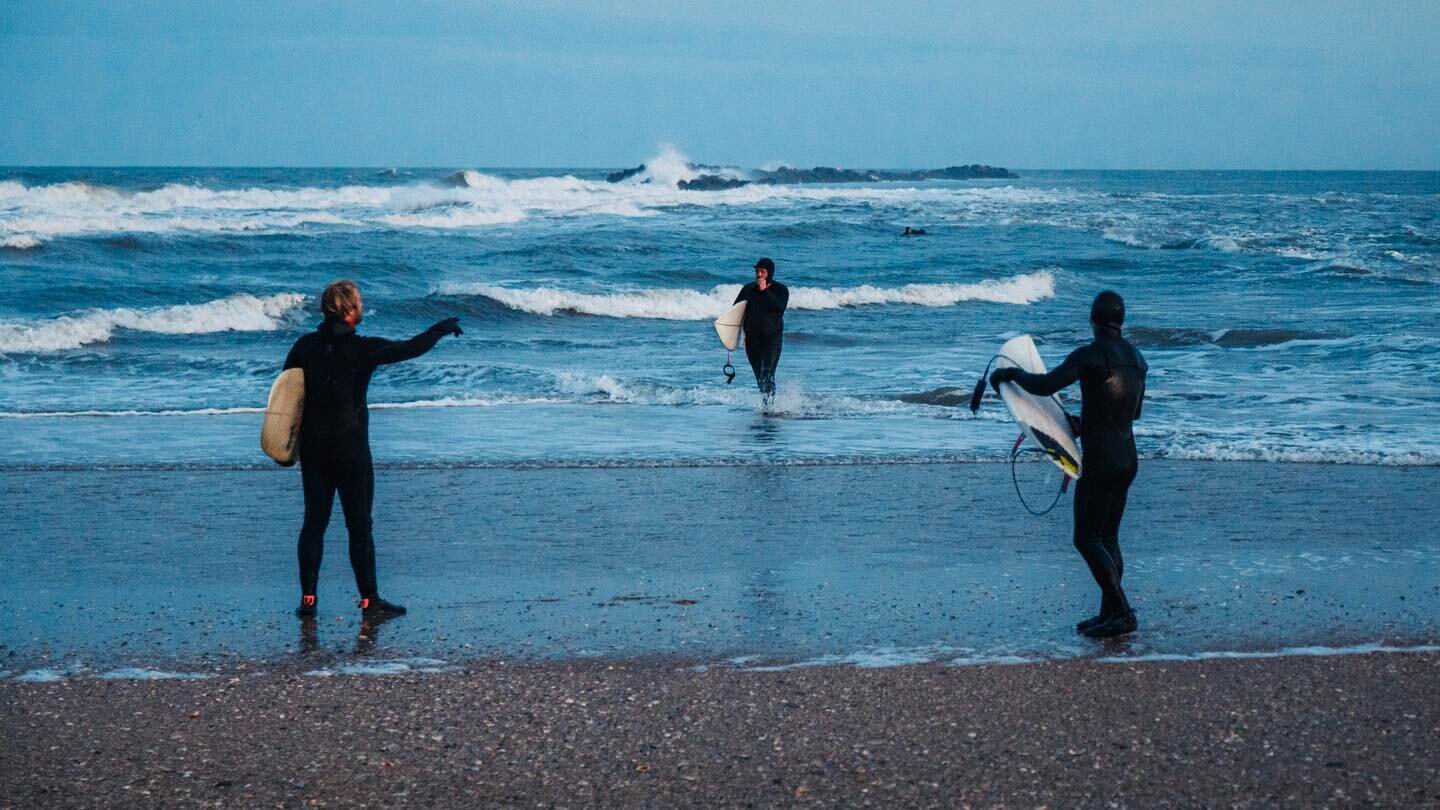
x,y
728,370
1014,479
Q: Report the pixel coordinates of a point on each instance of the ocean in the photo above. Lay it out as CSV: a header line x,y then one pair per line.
x,y
1286,316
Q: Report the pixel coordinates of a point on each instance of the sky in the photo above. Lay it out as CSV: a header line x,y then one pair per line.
x,y
1095,85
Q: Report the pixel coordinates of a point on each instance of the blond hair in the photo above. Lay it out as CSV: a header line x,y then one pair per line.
x,y
341,299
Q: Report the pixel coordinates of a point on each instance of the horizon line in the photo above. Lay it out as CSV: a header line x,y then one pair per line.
x,y
451,167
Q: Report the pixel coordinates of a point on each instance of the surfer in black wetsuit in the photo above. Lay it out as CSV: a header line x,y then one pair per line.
x,y
335,436
764,324
1112,387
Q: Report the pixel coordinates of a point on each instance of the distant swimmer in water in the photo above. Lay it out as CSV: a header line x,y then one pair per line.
x,y
1112,388
909,231
764,324
335,436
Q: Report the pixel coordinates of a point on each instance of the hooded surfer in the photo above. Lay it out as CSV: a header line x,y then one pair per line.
x,y
335,436
764,324
1112,388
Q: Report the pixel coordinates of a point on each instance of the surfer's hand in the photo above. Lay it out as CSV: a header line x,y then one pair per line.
x,y
1001,375
449,326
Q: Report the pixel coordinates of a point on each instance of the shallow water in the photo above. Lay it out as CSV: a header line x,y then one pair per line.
x,y
752,566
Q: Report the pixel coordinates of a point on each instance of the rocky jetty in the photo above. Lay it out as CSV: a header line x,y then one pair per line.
x,y
710,178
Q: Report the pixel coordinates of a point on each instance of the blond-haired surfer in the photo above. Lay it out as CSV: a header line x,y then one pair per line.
x,y
335,435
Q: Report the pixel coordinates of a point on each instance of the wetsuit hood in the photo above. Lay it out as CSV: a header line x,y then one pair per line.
x,y
1107,313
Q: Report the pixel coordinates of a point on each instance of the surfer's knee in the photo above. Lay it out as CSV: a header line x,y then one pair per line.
x,y
314,526
359,527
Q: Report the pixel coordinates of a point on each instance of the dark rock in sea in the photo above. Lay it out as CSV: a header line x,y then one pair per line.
x,y
974,171
909,231
712,178
456,180
819,174
711,182
946,397
824,174
624,174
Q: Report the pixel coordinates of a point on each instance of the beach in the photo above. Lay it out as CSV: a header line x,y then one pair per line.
x,y
1296,731
881,635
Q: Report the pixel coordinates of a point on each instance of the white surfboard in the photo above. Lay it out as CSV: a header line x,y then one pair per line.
x,y
1042,418
728,326
280,433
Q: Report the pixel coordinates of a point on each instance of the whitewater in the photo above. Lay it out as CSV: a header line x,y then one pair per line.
x,y
1285,316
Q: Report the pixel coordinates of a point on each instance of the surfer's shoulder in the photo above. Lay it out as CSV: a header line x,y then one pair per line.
x,y
306,339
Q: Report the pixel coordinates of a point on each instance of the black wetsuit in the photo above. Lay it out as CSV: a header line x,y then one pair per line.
x,y
764,327
335,439
1112,388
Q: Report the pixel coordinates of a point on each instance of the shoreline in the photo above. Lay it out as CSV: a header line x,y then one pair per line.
x,y
1297,731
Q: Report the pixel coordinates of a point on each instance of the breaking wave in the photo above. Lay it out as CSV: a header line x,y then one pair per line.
x,y
21,241
694,305
236,313
463,199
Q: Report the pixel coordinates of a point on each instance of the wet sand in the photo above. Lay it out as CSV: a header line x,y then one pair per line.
x,y
1298,731
182,569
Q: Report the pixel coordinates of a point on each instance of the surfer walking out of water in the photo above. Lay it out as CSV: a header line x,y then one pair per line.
x,y
764,324
1112,388
335,436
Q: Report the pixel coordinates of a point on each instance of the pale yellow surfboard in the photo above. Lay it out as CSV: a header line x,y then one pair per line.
x,y
280,434
728,325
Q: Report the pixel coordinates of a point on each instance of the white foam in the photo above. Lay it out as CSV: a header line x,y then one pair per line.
x,y
399,666
236,313
877,658
457,218
1199,449
42,676
884,657
695,305
20,241
1129,238
141,674
667,168
478,201
177,412
462,402
1286,652
445,402
790,399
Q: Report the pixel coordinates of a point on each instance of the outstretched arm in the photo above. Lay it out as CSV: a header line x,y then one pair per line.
x,y
1043,385
397,351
